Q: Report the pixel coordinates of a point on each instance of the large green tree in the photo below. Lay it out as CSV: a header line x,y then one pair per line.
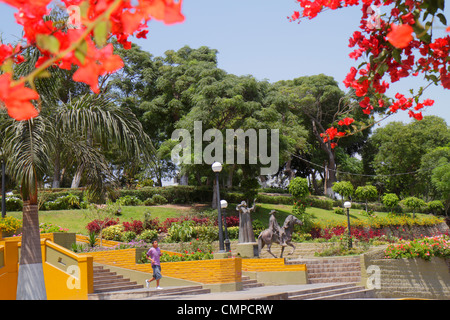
x,y
320,103
394,153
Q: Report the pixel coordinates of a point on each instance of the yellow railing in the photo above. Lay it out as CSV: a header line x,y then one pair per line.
x,y
67,275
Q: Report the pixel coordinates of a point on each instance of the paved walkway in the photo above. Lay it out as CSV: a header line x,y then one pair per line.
x,y
265,293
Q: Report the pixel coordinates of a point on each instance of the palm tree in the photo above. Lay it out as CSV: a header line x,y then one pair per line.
x,y
26,151
76,128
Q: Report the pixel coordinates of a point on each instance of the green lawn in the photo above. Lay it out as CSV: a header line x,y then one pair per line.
x,y
76,221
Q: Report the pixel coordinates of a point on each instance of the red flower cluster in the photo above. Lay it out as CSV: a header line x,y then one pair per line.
x,y
67,47
390,50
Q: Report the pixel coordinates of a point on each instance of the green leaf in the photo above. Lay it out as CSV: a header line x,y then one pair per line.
x,y
48,43
101,32
81,51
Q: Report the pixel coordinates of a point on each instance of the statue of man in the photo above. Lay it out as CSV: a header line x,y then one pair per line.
x,y
245,223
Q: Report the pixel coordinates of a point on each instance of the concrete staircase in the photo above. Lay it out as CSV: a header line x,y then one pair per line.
x,y
149,294
248,283
107,281
331,269
333,292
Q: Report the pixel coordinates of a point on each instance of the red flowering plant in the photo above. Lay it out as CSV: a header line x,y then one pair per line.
x,y
81,43
395,45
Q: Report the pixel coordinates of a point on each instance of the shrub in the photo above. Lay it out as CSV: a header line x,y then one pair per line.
x,y
232,221
339,211
233,233
436,206
46,227
207,233
343,188
183,232
390,200
148,236
413,203
113,232
95,225
151,224
149,202
298,188
10,224
13,204
128,236
159,199
63,202
135,226
129,201
425,248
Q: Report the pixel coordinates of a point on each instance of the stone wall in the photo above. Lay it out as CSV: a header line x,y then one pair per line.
x,y
416,231
406,278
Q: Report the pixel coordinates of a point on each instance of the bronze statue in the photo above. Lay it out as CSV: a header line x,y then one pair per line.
x,y
246,234
275,233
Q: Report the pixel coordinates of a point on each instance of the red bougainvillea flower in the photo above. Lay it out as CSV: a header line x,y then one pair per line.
x,y
346,122
400,35
97,63
17,99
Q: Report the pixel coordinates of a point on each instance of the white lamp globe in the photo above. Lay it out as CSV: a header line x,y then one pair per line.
x,y
223,204
216,166
347,204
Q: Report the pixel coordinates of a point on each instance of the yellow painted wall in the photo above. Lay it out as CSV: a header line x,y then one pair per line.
x,y
59,283
265,265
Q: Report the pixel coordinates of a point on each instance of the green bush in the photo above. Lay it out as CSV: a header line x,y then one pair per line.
x,y
128,236
159,199
181,232
339,211
391,200
148,236
113,232
129,200
13,203
64,202
436,206
298,188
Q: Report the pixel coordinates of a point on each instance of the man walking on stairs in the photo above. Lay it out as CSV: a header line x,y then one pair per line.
x,y
154,254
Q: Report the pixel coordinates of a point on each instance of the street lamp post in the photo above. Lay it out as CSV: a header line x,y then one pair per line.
x,y
224,205
3,189
217,167
348,205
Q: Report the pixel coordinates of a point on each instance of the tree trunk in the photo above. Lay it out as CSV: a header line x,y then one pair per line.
x,y
331,174
57,172
77,177
30,282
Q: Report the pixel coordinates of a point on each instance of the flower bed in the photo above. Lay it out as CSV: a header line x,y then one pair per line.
x,y
381,227
424,248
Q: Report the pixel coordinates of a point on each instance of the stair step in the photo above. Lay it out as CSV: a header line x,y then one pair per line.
x,y
108,281
335,280
118,288
143,294
323,293
335,291
354,294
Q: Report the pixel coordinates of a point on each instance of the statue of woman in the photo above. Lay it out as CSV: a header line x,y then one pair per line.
x,y
245,223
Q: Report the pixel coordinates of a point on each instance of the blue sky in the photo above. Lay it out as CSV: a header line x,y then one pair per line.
x,y
254,37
